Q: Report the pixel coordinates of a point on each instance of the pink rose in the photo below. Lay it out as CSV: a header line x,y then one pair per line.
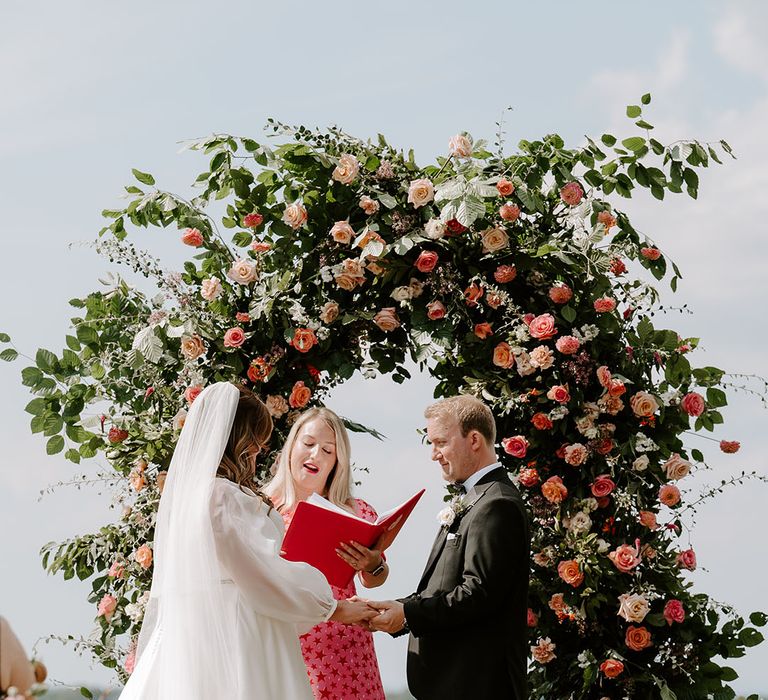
x,y
669,495
687,559
210,288
234,338
130,662
674,611
604,305
693,404
117,570
107,606
560,293
602,486
650,253
387,319
193,237
559,393
625,558
435,310
253,220
509,212
295,215
342,232
460,146
426,261
242,317
567,344
300,395
571,193
517,446
420,192
730,446
243,272
143,556
543,327
505,187
192,392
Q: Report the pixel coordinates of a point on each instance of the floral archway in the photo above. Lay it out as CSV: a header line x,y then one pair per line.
x,y
513,277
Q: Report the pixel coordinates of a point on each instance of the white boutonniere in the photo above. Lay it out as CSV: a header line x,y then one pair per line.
x,y
455,509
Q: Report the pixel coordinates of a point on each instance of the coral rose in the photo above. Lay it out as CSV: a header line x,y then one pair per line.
x,y
473,293
242,317
687,559
304,339
570,572
300,395
494,239
295,215
637,638
604,376
575,454
559,393
502,356
528,477
693,404
260,246
253,220
542,327
509,212
669,495
612,668
602,486
483,330
387,319
193,237
567,344
517,446
571,193
606,219
192,392
554,490
234,338
505,187
604,305
674,611
730,446
460,146
426,261
435,310
560,293
143,556
643,404
347,169
541,421
420,192
648,518
650,253
342,232
625,558
544,651
505,273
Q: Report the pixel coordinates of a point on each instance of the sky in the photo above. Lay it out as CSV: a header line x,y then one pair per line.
x,y
89,90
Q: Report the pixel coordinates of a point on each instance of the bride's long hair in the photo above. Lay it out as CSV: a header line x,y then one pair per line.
x,y
280,488
250,433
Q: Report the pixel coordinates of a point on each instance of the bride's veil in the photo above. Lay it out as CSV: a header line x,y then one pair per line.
x,y
187,645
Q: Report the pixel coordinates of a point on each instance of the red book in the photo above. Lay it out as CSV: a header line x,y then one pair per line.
x,y
318,527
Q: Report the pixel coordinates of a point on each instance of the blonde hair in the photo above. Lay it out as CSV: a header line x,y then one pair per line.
x,y
280,488
469,412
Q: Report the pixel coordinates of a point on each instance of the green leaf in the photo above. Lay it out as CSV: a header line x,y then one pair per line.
x,y
750,637
144,178
53,424
9,355
5,338
55,445
86,334
697,455
716,398
36,407
45,360
646,99
634,111
634,143
72,455
31,376
568,313
86,693
643,124
608,139
758,618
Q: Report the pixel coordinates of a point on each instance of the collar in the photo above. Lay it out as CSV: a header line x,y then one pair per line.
x,y
479,474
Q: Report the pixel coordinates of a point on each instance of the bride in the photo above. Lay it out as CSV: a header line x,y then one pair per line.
x,y
225,609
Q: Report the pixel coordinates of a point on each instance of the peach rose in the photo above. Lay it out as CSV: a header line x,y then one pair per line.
x,y
435,310
648,519
505,273
330,312
234,338
543,327
560,293
693,404
117,570
730,446
505,187
570,572
575,454
351,275
674,611
304,339
243,272
557,603
493,300
483,330
517,446
602,486
460,146
347,169
638,638
571,193
612,668
494,239
541,421
473,293
625,558
368,205
420,192
544,651
633,607
509,212
295,215
641,463
676,467
179,419
559,393
210,288
567,344
107,607
137,480
687,560
528,477
604,376
193,237
143,556
502,356
650,253
604,305
643,404
387,319
606,219
253,220
300,395
554,490
669,495
192,346
426,261
260,246
276,405
192,392
542,357
342,232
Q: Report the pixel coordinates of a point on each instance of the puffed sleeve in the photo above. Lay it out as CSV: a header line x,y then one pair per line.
x,y
248,548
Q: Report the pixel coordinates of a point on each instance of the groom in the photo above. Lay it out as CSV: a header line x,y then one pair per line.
x,y
468,617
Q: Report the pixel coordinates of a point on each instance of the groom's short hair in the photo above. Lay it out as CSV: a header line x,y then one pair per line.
x,y
469,412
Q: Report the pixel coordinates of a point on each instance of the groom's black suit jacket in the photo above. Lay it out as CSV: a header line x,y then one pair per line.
x,y
468,617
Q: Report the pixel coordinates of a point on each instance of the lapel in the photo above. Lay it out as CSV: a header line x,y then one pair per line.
x,y
475,494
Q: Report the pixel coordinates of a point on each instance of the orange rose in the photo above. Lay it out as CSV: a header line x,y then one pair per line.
x,y
304,339
638,638
570,572
554,490
612,668
483,330
502,356
473,293
300,395
505,187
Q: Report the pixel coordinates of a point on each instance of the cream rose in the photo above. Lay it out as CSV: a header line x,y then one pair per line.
x,y
347,169
192,346
460,146
676,467
277,406
243,272
295,215
494,239
330,312
210,288
435,229
633,607
421,192
643,404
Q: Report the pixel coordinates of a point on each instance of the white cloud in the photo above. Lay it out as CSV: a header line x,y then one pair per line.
x,y
740,39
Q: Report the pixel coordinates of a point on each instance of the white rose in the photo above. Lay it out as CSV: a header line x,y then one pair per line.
x,y
446,516
401,294
633,607
421,192
641,463
580,523
435,229
242,272
602,546
416,287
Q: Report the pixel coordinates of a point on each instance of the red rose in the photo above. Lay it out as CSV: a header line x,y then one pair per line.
x,y
541,421
454,227
602,486
729,446
426,261
528,477
674,611
116,435
612,668
533,618
618,267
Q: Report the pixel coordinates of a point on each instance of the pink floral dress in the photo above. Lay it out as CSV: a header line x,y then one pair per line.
x,y
340,659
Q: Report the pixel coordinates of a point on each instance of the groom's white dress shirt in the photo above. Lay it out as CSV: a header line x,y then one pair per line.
x,y
479,474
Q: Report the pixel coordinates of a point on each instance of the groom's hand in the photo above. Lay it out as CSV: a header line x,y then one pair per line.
x,y
391,617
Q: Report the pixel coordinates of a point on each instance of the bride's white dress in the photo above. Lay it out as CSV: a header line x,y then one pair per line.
x,y
267,602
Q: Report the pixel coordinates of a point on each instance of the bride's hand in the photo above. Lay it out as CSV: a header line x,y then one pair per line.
x,y
353,612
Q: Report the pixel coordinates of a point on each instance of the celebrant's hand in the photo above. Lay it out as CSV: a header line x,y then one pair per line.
x,y
391,617
358,557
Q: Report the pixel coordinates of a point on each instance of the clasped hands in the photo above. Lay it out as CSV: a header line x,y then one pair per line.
x,y
378,616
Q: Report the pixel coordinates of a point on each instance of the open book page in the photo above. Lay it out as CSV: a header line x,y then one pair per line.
x,y
317,500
